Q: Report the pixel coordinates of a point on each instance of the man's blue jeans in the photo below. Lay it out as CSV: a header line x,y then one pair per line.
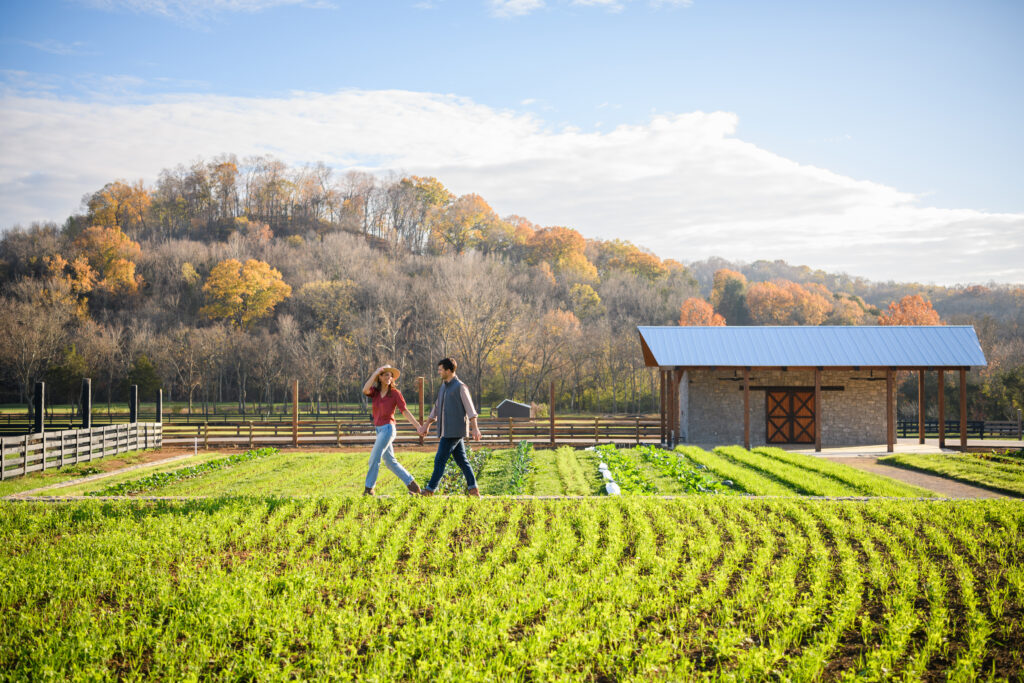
x,y
457,450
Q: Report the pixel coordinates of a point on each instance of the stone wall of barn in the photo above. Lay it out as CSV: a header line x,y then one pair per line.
x,y
711,405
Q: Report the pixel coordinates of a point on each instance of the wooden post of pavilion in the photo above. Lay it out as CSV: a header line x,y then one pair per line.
x,y
920,406
963,409
746,408
677,377
890,428
942,409
817,410
295,412
664,412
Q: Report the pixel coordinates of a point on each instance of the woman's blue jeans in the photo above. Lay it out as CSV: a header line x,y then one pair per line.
x,y
383,449
457,450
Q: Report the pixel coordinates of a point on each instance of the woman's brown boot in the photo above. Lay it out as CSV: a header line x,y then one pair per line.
x,y
368,492
413,487
474,492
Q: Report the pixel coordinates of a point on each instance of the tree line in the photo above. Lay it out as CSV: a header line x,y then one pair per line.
x,y
226,279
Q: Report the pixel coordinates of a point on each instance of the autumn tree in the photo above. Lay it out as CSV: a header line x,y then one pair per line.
x,y
696,311
586,303
782,302
562,248
243,293
119,205
910,310
728,296
111,254
461,225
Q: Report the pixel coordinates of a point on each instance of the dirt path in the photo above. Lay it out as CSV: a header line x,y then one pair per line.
x,y
944,487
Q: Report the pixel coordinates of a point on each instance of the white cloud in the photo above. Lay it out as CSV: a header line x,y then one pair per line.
x,y
680,184
196,9
56,47
514,8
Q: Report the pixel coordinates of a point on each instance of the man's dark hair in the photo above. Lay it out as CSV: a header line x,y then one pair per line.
x,y
448,364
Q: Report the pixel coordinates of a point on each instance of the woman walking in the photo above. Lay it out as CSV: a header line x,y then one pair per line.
x,y
386,398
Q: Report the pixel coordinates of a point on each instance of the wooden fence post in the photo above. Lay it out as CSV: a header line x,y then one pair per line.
x,y
597,435
206,435
511,429
551,413
3,460
419,385
24,461
337,433
250,433
295,412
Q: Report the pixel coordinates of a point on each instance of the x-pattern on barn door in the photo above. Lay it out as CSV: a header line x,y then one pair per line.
x,y
790,414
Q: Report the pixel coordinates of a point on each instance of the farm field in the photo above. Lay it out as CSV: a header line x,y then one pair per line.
x,y
521,471
1004,473
630,588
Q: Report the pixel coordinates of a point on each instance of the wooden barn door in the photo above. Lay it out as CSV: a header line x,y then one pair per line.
x,y
790,415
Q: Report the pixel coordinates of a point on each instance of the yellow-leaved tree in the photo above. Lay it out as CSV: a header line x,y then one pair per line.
x,y
243,293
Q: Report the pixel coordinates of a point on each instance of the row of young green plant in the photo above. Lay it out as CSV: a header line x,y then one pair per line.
x,y
161,479
733,470
427,589
998,472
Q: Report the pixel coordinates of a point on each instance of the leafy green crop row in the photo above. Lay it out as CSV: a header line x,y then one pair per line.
x,y
996,474
625,469
159,479
520,464
634,588
693,478
864,483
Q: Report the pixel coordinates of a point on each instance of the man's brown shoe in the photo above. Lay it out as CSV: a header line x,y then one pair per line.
x,y
368,492
426,492
413,487
474,492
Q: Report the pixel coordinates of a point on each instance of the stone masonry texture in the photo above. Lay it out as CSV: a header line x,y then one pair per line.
x,y
711,405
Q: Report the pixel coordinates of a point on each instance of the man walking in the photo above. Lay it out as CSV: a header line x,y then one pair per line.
x,y
451,410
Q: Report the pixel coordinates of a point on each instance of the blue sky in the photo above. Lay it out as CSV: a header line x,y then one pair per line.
x,y
820,132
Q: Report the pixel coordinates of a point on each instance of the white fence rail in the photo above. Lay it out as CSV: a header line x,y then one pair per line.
x,y
20,455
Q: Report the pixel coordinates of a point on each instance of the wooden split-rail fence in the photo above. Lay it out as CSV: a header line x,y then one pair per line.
x,y
496,432
20,455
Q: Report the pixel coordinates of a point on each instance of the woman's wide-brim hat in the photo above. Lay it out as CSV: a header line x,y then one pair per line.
x,y
395,372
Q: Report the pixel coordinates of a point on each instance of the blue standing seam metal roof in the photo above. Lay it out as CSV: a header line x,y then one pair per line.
x,y
825,346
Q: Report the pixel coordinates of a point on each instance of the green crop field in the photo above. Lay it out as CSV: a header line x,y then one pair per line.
x,y
1004,473
645,470
631,588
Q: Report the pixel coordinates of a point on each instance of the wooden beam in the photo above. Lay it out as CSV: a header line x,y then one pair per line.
x,y
920,406
942,408
661,409
963,410
677,377
890,427
817,410
746,408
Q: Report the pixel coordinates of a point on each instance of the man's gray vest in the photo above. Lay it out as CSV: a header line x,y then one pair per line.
x,y
451,413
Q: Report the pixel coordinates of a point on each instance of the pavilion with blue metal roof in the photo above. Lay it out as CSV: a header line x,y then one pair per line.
x,y
789,356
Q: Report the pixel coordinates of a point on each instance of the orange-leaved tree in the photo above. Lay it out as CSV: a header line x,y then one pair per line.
x,y
121,205
911,310
243,293
110,253
696,311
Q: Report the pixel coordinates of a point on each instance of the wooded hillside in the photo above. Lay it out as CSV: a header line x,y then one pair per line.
x,y
225,279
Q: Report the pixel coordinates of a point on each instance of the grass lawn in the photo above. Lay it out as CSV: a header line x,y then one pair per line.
x,y
1001,475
